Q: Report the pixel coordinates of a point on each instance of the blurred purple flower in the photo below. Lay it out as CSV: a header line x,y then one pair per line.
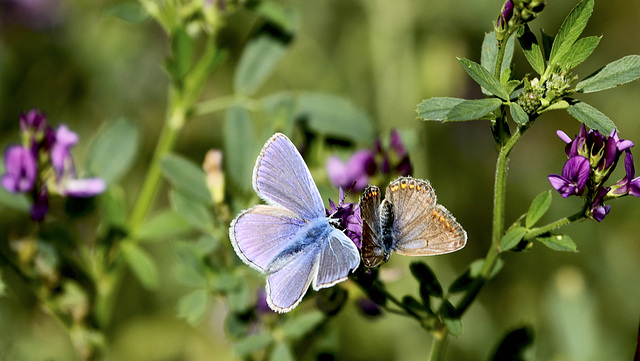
x,y
36,14
368,307
354,173
575,174
262,307
21,169
346,217
628,184
50,149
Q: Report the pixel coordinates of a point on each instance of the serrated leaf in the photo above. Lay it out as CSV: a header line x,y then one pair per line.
x,y
166,225
437,108
483,77
591,117
612,75
260,57
518,114
193,306
142,265
489,54
578,52
281,352
559,242
239,147
426,277
335,116
253,343
295,328
186,177
570,30
114,149
473,109
531,49
196,214
512,238
538,208
547,42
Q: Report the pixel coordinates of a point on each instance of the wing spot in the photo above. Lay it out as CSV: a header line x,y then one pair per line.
x,y
394,188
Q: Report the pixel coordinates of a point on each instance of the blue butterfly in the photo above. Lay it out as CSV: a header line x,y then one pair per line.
x,y
290,239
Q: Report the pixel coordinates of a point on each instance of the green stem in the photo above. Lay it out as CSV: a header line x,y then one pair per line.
x,y
535,232
439,346
168,136
214,105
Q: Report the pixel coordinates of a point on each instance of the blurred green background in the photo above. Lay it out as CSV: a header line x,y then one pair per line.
x,y
83,67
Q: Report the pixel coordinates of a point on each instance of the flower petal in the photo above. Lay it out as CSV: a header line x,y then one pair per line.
x,y
562,185
21,169
577,169
88,187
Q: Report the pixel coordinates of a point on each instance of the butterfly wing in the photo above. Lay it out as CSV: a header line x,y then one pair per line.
x,y
421,226
372,248
261,233
338,256
281,177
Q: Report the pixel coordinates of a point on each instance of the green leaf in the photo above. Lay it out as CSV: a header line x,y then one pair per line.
x,y
476,266
462,283
186,177
253,343
518,114
578,52
451,318
473,109
142,265
512,238
17,201
483,77
426,277
547,42
558,105
538,208
412,306
196,214
129,11
210,59
591,117
239,147
192,307
570,30
113,151
114,207
238,296
285,18
335,116
531,49
281,352
168,224
612,75
279,109
513,345
559,242
437,108
260,57
295,328
489,54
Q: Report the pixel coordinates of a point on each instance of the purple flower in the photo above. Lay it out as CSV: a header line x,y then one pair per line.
x,y
40,204
33,123
368,307
575,174
61,150
507,13
346,217
592,159
21,169
354,173
628,184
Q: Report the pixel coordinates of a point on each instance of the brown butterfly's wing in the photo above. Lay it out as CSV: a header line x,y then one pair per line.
x,y
372,252
422,227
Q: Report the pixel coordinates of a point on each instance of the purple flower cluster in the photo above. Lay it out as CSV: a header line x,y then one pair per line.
x,y
365,163
42,164
592,158
346,217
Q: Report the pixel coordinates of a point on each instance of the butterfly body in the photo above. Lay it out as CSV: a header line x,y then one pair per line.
x,y
290,239
408,221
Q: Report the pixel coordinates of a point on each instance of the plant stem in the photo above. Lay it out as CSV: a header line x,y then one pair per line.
x,y
168,136
439,346
535,232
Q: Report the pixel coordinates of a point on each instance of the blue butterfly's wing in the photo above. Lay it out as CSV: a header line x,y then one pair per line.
x,y
281,177
261,233
338,256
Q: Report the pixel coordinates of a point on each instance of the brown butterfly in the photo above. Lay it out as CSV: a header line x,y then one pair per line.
x,y
407,221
